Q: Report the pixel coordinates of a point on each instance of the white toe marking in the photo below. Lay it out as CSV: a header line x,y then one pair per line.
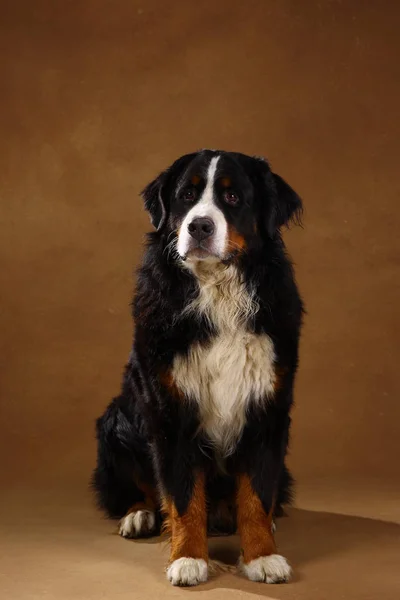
x,y
269,569
135,524
187,571
273,526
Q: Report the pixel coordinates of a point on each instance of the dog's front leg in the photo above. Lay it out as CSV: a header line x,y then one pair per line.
x,y
187,522
256,490
180,471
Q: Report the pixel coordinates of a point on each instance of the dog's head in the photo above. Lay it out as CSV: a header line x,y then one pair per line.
x,y
213,205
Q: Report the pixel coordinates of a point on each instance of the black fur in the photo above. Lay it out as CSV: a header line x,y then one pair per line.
x,y
145,435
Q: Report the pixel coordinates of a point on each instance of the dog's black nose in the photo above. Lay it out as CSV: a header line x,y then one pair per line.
x,y
201,228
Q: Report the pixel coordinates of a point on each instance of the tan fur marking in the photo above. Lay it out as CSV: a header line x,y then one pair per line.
x,y
226,182
140,506
195,180
168,382
280,373
150,498
236,242
253,523
150,495
189,531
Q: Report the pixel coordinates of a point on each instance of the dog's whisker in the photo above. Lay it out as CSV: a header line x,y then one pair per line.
x,y
170,248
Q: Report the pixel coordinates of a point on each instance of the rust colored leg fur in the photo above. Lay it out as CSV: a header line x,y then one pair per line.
x,y
255,526
259,560
189,552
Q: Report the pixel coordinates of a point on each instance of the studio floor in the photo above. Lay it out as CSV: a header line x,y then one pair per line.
x,y
55,545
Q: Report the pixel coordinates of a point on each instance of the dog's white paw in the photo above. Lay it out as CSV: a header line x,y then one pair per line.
x,y
137,524
273,526
187,571
269,569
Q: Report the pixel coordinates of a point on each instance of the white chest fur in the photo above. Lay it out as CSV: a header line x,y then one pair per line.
x,y
234,368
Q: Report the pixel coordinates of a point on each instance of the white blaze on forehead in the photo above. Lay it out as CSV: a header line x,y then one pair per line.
x,y
206,207
207,199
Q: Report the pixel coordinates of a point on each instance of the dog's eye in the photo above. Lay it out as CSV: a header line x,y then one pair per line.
x,y
231,198
189,195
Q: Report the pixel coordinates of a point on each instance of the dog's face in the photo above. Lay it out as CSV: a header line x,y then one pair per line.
x,y
214,205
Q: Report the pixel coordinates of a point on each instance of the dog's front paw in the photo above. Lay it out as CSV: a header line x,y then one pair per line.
x,y
269,569
187,571
139,523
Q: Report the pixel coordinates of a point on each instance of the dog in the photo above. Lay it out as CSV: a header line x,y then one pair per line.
x,y
195,442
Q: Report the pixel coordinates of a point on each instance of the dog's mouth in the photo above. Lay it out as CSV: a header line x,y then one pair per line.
x,y
201,251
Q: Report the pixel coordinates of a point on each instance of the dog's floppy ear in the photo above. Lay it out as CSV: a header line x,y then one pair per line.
x,y
286,207
157,194
154,202
280,204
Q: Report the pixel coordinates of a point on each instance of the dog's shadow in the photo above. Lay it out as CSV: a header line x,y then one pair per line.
x,y
313,539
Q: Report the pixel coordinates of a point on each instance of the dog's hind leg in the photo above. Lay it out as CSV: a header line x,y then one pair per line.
x,y
123,478
141,520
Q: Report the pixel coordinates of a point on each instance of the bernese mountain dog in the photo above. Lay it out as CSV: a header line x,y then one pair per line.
x,y
195,442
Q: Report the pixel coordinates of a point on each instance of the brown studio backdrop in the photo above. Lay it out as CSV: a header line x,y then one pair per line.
x,y
96,98
95,102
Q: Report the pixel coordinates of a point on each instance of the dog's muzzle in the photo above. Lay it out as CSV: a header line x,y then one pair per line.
x,y
200,241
